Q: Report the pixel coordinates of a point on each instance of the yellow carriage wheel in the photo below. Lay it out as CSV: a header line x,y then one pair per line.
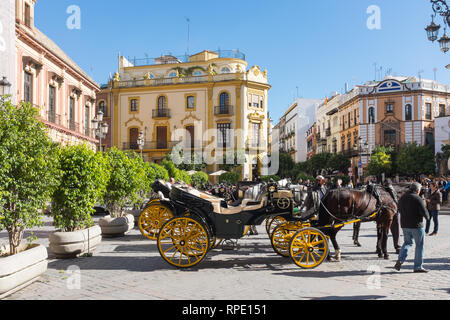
x,y
183,242
276,221
281,238
308,248
152,219
246,230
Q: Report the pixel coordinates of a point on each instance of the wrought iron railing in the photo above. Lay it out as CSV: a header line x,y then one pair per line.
x,y
161,113
74,126
223,110
54,118
150,145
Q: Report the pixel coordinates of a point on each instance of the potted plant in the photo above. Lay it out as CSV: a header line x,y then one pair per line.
x,y
127,181
28,176
84,175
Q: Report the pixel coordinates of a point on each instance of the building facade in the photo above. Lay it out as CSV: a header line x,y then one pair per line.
x,y
207,102
391,113
50,80
311,141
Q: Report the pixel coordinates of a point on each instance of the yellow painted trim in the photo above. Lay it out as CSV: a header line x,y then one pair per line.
x,y
186,95
229,97
138,105
188,86
116,119
129,131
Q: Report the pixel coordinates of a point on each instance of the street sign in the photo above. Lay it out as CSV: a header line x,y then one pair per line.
x,y
360,164
360,172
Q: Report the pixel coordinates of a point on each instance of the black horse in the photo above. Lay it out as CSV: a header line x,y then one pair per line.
x,y
340,206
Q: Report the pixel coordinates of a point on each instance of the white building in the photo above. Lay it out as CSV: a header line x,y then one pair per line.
x,y
294,125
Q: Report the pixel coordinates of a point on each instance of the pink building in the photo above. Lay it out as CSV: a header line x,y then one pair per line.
x,y
48,78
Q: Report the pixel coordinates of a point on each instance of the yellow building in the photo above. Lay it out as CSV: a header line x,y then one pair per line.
x,y
206,102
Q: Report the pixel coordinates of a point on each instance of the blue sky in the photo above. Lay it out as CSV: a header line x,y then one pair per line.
x,y
316,46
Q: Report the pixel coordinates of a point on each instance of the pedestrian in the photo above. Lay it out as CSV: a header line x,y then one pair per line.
x,y
434,203
412,211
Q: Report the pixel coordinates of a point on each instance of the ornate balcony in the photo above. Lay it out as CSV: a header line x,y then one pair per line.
x,y
161,113
150,145
224,110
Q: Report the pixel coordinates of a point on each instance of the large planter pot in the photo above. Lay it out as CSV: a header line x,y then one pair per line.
x,y
67,245
136,214
18,271
116,227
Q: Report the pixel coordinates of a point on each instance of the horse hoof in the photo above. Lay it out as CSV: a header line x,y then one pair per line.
x,y
386,257
357,244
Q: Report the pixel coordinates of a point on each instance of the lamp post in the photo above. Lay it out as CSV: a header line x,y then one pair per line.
x,y
141,142
362,149
5,87
100,127
441,8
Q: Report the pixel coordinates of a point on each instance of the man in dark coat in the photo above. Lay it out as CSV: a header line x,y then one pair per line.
x,y
412,211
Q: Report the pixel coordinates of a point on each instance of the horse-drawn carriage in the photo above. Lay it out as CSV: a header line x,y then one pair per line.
x,y
198,219
187,222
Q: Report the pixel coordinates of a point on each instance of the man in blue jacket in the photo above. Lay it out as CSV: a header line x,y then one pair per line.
x,y
412,211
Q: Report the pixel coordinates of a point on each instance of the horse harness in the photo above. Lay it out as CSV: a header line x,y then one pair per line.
x,y
353,218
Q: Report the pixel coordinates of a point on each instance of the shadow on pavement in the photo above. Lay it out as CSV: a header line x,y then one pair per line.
x,y
350,298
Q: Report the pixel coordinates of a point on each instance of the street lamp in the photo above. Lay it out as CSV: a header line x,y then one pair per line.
x,y
444,43
439,7
362,149
432,30
5,86
141,142
100,127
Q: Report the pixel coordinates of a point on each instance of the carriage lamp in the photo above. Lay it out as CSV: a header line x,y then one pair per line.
x,y
432,30
5,86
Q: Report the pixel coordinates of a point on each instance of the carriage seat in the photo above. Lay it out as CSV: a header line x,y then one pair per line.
x,y
256,203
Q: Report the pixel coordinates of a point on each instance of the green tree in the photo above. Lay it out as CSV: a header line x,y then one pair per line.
x,y
413,160
84,175
320,162
286,165
339,162
199,178
230,177
127,179
380,162
28,170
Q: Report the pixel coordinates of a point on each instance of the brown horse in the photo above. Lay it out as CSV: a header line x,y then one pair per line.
x,y
343,205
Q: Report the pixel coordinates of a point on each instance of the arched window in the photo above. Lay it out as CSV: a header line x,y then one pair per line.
x,y
408,112
162,103
371,115
225,70
102,108
224,99
172,75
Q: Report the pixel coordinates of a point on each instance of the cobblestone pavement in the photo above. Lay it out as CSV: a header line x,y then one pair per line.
x,y
131,268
